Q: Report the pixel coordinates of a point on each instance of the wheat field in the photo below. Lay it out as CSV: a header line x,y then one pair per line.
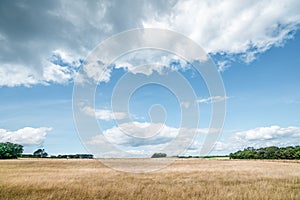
x,y
184,179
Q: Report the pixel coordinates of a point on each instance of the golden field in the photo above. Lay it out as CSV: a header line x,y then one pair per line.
x,y
184,179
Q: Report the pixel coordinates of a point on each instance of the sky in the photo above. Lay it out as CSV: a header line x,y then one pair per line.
x,y
47,46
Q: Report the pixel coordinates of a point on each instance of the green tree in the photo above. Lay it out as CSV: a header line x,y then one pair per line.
x,y
10,150
159,155
271,152
40,153
289,152
297,152
248,154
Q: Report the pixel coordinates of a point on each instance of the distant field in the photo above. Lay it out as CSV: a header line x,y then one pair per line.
x,y
184,179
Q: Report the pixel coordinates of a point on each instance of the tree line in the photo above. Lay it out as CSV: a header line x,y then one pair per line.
x,y
272,152
10,150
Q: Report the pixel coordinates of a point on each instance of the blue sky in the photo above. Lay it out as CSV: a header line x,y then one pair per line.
x,y
257,57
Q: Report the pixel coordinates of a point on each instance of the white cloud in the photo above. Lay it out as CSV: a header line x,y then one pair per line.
x,y
125,134
144,139
268,133
65,57
135,136
223,65
185,104
60,68
213,99
148,61
25,136
57,74
237,140
149,136
15,75
72,28
104,114
138,62
259,137
233,27
67,28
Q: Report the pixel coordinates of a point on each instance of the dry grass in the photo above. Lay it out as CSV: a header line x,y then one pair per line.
x,y
184,179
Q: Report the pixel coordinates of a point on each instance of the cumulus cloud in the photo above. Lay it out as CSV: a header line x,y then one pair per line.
x,y
260,137
14,75
268,133
57,74
146,136
133,138
223,65
32,32
233,27
58,68
26,136
145,61
148,61
213,99
104,114
121,134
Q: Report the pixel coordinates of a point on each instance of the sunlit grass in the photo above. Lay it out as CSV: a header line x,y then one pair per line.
x,y
184,179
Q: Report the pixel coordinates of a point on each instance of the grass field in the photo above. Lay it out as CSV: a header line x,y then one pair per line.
x,y
184,179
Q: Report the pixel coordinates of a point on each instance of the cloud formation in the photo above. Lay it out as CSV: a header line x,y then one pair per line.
x,y
148,61
145,136
104,114
260,137
268,133
233,27
34,34
26,136
30,32
213,99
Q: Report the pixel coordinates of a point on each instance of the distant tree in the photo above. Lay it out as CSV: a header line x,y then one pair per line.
x,y
271,152
297,152
40,153
10,150
159,155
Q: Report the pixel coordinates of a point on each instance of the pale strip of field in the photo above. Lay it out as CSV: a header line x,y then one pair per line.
x,y
183,179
